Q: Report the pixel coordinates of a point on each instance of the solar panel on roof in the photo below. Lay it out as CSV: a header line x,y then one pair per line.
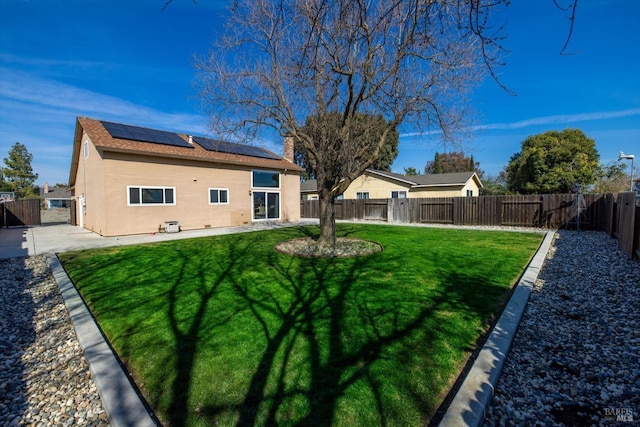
x,y
233,148
137,133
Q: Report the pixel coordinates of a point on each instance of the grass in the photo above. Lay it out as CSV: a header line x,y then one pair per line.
x,y
227,331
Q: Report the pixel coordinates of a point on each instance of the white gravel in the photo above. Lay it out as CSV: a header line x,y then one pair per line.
x,y
44,378
575,360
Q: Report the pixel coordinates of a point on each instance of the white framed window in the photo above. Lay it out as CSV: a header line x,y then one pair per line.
x,y
266,205
265,179
218,196
401,194
362,195
469,193
144,196
266,202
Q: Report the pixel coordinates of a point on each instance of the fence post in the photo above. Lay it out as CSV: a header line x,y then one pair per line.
x,y
626,222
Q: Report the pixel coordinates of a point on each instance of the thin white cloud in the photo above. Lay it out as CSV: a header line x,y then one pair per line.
x,y
41,113
561,119
37,94
8,58
545,120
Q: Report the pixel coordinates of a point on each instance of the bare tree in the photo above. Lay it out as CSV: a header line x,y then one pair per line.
x,y
411,62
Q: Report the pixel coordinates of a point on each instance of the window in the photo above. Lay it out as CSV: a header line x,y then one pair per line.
x,y
266,204
469,193
151,196
218,196
265,179
362,195
85,149
398,194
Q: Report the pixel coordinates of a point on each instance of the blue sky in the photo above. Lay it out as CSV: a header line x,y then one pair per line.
x,y
131,62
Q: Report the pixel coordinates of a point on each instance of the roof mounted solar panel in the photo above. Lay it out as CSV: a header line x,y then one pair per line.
x,y
233,148
137,133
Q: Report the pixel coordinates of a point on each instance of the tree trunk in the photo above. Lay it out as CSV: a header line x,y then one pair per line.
x,y
327,219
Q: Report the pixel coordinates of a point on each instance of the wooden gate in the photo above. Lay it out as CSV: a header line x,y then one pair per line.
x,y
73,220
20,213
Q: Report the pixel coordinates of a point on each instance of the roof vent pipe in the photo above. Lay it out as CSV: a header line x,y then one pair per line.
x,y
191,139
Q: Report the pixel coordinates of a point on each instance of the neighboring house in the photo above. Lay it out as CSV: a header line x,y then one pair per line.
x,y
130,180
309,190
374,184
55,197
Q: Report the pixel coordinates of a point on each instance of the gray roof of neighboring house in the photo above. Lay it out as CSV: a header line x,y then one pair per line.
x,y
56,193
454,178
309,186
429,180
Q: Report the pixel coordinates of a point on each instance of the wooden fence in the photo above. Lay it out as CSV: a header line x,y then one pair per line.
x,y
616,217
626,224
20,212
589,211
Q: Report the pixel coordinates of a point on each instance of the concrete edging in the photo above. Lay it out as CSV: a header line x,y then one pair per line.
x,y
123,405
468,407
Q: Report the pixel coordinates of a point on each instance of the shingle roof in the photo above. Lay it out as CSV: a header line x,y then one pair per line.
x,y
310,185
56,193
454,178
103,140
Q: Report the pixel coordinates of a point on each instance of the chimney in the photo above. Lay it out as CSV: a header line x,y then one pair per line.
x,y
191,139
288,148
45,188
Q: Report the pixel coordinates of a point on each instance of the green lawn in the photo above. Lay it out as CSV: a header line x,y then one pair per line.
x,y
227,331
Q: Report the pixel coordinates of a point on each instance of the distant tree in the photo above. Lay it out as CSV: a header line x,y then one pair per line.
x,y
411,171
494,185
611,179
18,173
4,186
362,136
553,162
454,161
437,165
62,185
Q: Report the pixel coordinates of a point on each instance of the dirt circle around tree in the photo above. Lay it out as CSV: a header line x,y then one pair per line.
x,y
307,247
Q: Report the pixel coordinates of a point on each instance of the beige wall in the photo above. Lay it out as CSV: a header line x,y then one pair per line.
x,y
447,191
191,181
378,188
381,188
89,185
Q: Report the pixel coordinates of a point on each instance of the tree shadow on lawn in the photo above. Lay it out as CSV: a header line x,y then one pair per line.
x,y
330,340
327,328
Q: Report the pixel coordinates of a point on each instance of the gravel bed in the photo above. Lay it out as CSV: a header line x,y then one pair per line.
x,y
44,378
345,247
575,360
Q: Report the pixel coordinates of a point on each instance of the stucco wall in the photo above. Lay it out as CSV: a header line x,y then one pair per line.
x,y
89,183
446,191
381,188
191,181
378,188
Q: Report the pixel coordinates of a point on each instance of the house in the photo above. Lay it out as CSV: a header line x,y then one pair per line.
x,y
55,197
131,180
375,184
